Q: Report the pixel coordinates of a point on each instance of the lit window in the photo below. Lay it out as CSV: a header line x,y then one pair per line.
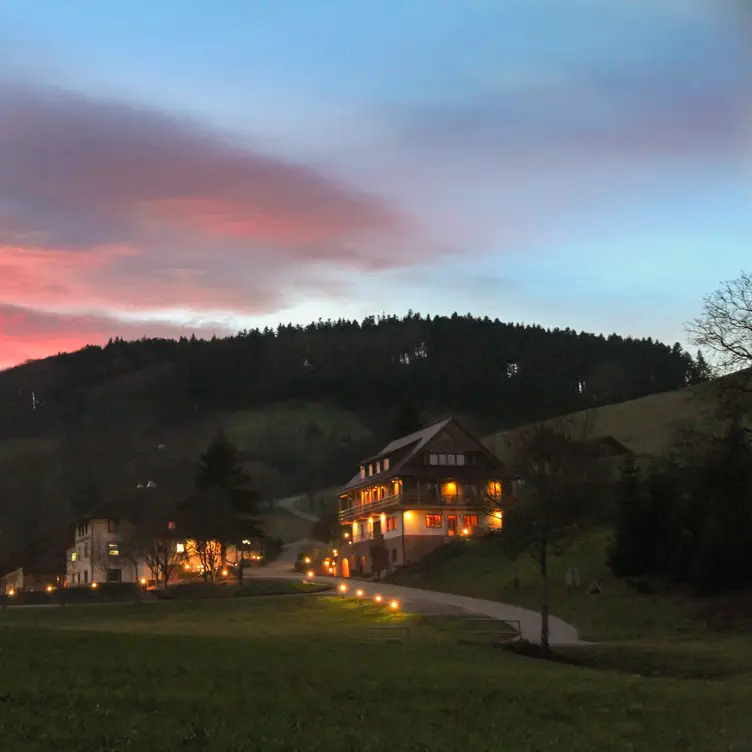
x,y
378,466
362,471
449,488
180,547
386,463
73,556
391,523
433,520
471,520
494,489
370,469
113,549
170,525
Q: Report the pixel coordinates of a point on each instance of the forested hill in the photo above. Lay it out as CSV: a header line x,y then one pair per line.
x,y
303,404
502,374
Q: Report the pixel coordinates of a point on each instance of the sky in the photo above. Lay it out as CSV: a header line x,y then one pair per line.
x,y
191,166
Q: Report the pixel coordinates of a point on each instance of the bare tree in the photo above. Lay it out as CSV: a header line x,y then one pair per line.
x,y
160,553
102,560
209,552
724,328
556,469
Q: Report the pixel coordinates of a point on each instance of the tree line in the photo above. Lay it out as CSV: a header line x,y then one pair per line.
x,y
462,364
80,426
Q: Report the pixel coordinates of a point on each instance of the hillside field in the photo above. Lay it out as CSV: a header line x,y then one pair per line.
x,y
646,426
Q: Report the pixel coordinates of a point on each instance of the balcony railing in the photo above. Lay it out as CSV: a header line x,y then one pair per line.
x,y
414,500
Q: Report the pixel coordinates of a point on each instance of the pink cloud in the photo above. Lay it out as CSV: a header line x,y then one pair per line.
x,y
110,211
26,334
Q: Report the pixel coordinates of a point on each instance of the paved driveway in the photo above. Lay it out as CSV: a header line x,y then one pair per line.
x,y
529,622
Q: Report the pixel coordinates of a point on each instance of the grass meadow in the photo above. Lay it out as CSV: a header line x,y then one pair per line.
x,y
299,673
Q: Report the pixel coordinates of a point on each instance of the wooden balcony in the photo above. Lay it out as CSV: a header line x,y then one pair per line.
x,y
414,500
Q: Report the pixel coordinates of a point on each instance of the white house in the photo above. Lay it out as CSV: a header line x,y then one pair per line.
x,y
97,557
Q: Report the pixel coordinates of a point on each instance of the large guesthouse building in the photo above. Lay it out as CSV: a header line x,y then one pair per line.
x,y
419,492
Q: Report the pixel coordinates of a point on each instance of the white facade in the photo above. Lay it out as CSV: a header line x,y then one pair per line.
x,y
96,556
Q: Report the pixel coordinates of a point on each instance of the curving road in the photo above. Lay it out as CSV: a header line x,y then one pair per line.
x,y
529,622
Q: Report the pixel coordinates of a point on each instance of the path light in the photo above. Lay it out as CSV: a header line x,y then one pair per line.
x,y
359,593
335,552
50,588
307,560
310,573
394,605
11,592
225,573
378,598
94,585
343,588
143,580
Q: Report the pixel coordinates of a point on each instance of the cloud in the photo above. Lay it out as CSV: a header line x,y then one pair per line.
x,y
519,165
92,172
110,210
26,334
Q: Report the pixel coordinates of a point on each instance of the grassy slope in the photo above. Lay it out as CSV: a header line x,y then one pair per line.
x,y
619,613
646,426
297,673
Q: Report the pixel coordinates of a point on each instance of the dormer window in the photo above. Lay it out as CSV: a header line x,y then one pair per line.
x,y
378,466
386,463
370,469
362,472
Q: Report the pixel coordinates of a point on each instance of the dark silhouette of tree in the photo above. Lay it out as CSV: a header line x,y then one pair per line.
x,y
558,470
223,510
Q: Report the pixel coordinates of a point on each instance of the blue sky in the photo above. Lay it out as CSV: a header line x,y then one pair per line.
x,y
192,165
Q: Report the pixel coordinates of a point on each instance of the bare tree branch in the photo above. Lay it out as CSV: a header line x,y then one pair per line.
x,y
724,328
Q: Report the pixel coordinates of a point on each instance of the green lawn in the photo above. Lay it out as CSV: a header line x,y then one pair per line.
x,y
298,674
619,613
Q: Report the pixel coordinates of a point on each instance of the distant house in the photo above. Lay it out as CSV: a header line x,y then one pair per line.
x,y
104,549
96,555
419,492
35,567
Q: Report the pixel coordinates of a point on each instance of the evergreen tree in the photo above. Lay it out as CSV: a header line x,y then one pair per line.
x,y
223,510
626,555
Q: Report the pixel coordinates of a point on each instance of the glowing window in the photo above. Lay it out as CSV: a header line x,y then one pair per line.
x,y
433,520
386,463
471,520
180,547
494,489
113,549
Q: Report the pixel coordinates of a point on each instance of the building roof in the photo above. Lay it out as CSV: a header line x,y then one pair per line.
x,y
413,443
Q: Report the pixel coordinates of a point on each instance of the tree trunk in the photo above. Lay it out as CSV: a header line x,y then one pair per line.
x,y
545,645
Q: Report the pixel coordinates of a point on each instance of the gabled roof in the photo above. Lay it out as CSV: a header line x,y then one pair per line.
x,y
413,443
419,438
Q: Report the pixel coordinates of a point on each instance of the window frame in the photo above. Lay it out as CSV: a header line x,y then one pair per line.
x,y
433,518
